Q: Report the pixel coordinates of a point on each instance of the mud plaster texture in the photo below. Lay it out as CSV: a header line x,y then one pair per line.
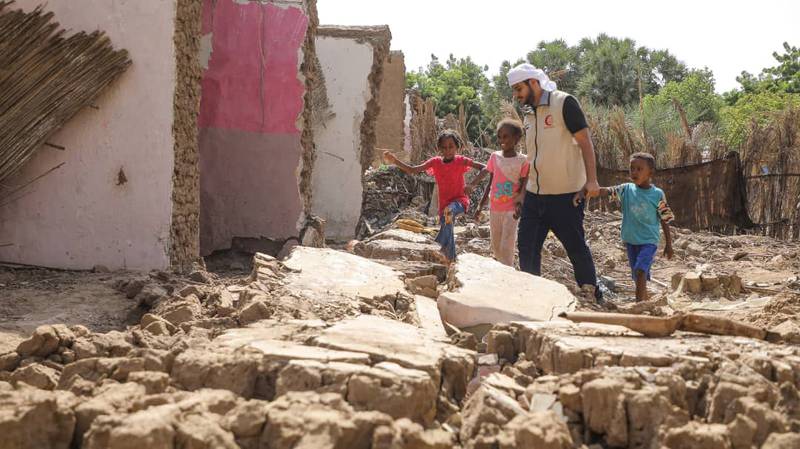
x,y
390,133
379,38
316,99
422,127
185,229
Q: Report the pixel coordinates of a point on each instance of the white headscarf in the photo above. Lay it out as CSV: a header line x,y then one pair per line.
x,y
524,72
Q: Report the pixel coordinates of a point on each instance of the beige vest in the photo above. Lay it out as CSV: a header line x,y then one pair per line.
x,y
556,159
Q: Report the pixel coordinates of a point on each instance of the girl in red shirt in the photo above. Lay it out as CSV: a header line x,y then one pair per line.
x,y
448,170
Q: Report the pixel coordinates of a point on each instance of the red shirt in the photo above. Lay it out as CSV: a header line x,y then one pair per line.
x,y
450,179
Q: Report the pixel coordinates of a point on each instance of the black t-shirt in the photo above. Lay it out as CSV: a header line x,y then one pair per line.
x,y
573,116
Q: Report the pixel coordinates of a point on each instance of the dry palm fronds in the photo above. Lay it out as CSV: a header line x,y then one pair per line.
x,y
423,127
508,110
46,78
626,139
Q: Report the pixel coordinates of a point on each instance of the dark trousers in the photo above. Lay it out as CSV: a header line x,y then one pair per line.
x,y
543,213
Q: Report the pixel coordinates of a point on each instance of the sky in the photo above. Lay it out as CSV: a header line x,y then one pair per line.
x,y
726,37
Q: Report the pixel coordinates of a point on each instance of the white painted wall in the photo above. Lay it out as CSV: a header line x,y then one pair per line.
x,y
77,216
346,65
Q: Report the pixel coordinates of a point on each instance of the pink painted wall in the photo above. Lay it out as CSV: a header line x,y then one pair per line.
x,y
77,216
252,99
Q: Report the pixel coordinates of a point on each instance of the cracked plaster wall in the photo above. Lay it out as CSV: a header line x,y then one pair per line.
x,y
254,146
352,64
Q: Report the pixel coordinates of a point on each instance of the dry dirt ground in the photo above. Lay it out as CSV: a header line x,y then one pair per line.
x,y
343,348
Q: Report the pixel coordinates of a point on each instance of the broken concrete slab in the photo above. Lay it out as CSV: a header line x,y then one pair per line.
x,y
326,275
397,249
485,291
561,347
424,285
387,387
415,268
404,344
397,391
401,235
312,375
429,318
279,350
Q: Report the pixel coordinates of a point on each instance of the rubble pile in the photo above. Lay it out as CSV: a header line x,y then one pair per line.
x,y
333,349
387,190
614,389
295,356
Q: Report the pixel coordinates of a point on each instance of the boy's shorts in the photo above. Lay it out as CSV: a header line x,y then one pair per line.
x,y
640,257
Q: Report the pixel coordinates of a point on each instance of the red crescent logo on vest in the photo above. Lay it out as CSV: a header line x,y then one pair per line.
x,y
548,121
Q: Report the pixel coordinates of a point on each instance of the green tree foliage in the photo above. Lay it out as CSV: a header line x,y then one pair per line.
x,y
604,70
559,60
695,93
606,73
761,96
753,108
611,69
456,82
493,97
784,77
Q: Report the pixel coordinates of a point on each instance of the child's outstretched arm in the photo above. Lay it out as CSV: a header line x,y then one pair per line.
x,y
410,169
485,196
603,192
478,178
477,165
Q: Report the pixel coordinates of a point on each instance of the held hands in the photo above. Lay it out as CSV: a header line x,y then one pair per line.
x,y
517,210
578,198
478,216
590,190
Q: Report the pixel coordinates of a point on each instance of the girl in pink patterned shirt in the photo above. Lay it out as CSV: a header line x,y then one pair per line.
x,y
508,173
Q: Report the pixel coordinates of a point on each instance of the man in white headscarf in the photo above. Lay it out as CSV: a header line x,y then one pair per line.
x,y
563,172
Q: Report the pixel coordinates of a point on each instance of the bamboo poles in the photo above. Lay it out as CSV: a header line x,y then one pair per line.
x,y
46,78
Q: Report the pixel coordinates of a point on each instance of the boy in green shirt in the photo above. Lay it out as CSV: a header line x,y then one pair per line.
x,y
644,210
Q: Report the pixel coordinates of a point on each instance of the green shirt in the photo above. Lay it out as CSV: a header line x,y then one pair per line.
x,y
643,210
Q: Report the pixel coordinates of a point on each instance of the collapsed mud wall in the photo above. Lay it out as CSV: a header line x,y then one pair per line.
x,y
316,99
106,198
389,129
254,146
352,63
185,230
